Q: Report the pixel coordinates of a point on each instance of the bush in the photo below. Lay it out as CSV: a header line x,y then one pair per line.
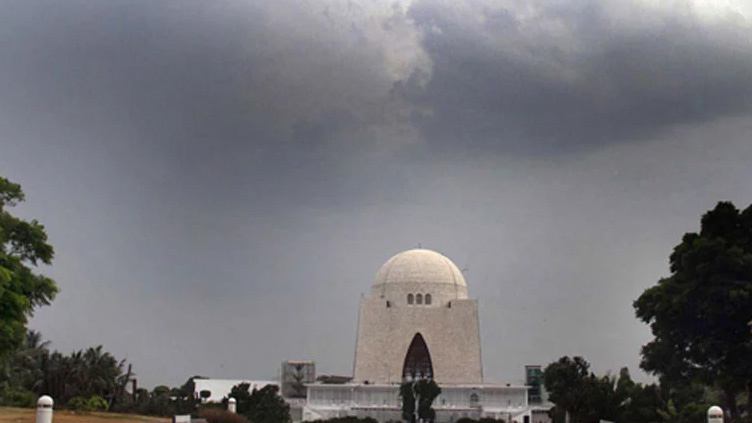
x,y
221,416
78,404
13,397
96,403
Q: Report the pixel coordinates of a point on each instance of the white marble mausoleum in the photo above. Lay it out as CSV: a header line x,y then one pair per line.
x,y
418,322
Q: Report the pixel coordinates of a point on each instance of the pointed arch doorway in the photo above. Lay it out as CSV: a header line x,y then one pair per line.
x,y
417,360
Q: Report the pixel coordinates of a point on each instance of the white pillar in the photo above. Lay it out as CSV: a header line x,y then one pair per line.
x,y
232,406
715,414
44,409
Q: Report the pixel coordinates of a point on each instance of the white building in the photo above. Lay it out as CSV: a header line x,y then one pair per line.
x,y
418,322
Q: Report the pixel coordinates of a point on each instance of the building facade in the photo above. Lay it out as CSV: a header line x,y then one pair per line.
x,y
418,322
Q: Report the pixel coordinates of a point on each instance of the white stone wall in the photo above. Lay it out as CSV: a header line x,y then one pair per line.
x,y
451,332
382,402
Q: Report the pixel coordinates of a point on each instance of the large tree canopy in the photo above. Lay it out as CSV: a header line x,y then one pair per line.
x,y
700,314
566,382
23,245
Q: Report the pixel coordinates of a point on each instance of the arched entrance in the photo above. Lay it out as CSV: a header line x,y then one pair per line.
x,y
417,360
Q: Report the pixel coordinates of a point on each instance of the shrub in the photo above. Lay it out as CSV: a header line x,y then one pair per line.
x,y
96,403
13,397
78,404
221,416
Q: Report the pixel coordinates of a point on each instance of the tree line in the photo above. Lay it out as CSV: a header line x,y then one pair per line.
x,y
86,378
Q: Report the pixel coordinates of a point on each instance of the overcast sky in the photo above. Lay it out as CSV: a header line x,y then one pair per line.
x,y
221,180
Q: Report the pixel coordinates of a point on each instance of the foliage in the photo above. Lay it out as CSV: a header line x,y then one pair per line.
x,y
699,315
185,401
17,397
221,416
161,389
417,400
588,397
407,394
95,403
22,245
262,405
34,369
566,382
77,404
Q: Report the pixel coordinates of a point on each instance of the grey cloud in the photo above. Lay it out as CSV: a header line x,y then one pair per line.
x,y
574,76
260,94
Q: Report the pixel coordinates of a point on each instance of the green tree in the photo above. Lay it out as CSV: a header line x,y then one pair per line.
x,y
262,405
426,390
700,314
407,394
417,400
567,383
23,245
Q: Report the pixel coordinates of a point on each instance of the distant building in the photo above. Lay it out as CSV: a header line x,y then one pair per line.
x,y
534,381
294,375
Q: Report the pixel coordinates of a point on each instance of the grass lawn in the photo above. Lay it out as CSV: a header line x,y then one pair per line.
x,y
28,415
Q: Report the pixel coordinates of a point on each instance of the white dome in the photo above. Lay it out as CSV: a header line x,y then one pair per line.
x,y
418,274
419,266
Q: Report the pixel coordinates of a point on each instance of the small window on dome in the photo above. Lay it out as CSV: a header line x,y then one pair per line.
x,y
409,298
428,299
419,299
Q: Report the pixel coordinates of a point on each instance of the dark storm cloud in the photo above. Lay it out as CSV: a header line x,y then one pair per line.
x,y
258,95
550,77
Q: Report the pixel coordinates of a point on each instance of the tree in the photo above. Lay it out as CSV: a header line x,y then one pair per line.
x,y
262,405
417,400
700,314
566,382
22,245
407,394
426,390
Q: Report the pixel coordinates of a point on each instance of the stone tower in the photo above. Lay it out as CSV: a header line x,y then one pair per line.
x,y
418,322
